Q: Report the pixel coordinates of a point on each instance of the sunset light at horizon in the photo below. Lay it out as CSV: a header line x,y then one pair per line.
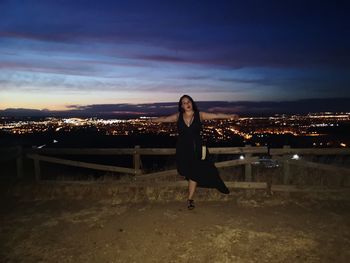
x,y
61,55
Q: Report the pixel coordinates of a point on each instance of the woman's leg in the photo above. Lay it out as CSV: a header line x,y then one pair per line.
x,y
191,188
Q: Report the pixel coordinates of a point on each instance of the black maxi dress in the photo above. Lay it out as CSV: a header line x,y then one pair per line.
x,y
188,156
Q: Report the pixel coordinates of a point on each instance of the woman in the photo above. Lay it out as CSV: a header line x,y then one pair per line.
x,y
198,172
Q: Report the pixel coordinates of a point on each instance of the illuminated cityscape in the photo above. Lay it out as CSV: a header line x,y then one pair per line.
x,y
258,131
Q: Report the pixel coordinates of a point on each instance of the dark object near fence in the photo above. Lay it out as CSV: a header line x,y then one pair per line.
x,y
267,162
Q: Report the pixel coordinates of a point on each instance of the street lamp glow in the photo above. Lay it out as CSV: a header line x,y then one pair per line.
x,y
296,157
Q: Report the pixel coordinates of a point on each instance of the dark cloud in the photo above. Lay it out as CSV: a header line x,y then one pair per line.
x,y
227,33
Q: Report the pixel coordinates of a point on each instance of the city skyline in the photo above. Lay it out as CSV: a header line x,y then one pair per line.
x,y
243,108
64,55
311,130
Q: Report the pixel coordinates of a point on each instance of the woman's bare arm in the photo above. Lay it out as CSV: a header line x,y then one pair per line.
x,y
212,116
170,118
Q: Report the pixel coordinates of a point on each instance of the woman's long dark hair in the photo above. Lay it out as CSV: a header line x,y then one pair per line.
x,y
194,105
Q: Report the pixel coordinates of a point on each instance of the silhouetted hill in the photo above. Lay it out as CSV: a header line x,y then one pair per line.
x,y
126,111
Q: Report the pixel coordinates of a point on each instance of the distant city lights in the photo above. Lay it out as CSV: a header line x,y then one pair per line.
x,y
254,130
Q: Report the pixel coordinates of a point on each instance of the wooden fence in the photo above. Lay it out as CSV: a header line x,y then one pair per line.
x,y
251,156
43,155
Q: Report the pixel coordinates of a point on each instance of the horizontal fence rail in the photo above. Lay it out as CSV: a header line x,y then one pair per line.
x,y
101,167
311,151
143,151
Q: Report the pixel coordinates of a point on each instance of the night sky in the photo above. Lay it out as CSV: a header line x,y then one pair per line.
x,y
58,55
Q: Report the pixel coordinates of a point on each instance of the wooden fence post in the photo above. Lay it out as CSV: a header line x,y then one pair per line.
x,y
37,169
248,167
19,162
286,165
137,160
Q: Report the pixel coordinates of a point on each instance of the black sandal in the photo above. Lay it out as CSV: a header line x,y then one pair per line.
x,y
190,204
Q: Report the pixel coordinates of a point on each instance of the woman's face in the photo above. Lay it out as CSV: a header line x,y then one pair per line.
x,y
186,104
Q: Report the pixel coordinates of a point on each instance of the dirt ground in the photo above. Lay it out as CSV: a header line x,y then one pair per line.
x,y
76,231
